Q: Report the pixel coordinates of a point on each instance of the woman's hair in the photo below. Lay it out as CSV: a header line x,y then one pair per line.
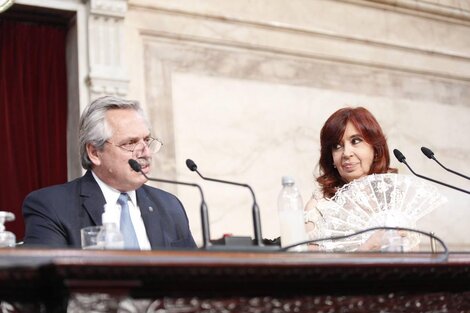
x,y
331,135
94,128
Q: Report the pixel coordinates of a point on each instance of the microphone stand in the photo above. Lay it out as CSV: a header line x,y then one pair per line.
x,y
255,209
401,158
427,152
203,208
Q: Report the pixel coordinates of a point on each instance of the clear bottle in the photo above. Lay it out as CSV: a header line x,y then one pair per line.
x,y
7,239
109,236
291,215
392,242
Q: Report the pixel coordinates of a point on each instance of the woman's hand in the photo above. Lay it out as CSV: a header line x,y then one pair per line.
x,y
384,240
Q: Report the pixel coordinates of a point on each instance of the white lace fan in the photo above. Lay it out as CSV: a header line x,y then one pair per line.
x,y
377,200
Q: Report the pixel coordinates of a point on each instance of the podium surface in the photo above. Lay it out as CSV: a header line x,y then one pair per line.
x,y
44,280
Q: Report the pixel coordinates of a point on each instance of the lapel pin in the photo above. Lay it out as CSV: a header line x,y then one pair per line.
x,y
150,209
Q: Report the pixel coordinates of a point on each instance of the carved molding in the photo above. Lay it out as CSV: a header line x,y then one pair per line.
x,y
424,55
443,9
18,307
439,8
117,8
107,72
391,302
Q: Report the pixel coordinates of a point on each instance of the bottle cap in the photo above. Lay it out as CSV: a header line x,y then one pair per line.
x,y
287,180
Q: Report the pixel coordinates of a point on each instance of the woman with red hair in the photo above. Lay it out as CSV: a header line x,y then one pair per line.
x,y
353,145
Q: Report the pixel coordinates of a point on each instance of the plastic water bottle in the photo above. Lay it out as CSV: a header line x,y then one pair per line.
x,y
291,215
109,236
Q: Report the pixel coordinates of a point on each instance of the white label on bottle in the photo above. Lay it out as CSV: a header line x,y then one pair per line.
x,y
292,228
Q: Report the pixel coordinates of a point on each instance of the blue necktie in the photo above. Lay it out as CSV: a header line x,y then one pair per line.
x,y
126,227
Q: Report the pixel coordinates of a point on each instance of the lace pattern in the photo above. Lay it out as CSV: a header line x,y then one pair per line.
x,y
392,200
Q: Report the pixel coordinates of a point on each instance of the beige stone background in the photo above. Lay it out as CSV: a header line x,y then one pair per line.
x,y
243,88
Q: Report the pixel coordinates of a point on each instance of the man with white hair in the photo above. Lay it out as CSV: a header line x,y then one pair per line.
x,y
112,131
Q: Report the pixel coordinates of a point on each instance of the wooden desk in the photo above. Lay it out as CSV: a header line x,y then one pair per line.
x,y
199,281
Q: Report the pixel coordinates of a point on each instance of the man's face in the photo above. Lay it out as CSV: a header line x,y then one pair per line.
x,y
111,164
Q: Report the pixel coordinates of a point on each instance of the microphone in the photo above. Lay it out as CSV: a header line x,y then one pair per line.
x,y
400,157
204,211
255,209
428,152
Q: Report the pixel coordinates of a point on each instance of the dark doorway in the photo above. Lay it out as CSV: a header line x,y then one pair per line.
x,y
33,104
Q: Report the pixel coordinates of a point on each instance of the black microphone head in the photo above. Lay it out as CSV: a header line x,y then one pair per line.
x,y
135,165
191,165
400,157
427,152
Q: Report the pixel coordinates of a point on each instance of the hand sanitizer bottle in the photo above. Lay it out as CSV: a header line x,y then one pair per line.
x,y
7,239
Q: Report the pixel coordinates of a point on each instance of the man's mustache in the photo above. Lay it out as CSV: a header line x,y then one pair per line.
x,y
144,161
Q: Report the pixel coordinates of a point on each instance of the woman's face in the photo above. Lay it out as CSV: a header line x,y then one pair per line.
x,y
352,156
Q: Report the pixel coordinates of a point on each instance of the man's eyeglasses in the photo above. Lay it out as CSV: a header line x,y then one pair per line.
x,y
136,147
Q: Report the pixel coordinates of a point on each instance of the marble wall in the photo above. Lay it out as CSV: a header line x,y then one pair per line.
x,y
244,87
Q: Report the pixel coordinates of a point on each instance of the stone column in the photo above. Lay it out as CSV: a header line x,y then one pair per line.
x,y
107,72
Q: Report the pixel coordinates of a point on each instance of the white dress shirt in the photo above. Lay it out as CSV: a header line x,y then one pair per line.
x,y
111,196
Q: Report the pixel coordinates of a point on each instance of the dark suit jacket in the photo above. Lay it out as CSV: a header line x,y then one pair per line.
x,y
54,215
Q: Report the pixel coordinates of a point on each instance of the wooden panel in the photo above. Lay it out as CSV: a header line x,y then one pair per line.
x,y
197,281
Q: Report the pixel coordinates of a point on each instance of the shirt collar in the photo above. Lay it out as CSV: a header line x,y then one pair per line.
x,y
111,194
